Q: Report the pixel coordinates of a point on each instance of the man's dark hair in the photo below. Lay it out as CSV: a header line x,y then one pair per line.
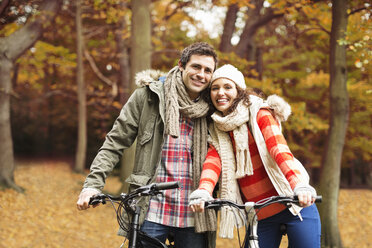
x,y
198,48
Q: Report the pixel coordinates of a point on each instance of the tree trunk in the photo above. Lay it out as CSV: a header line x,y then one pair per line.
x,y
247,48
82,104
11,48
140,60
140,37
339,111
6,144
252,24
228,28
123,60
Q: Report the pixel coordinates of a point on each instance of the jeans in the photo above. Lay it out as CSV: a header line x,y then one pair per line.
x,y
183,237
301,234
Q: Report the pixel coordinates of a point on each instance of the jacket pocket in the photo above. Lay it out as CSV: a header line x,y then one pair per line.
x,y
148,129
138,180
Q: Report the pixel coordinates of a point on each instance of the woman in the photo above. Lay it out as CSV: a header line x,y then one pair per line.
x,y
250,154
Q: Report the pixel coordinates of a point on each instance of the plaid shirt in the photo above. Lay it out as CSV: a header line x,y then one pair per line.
x,y
172,209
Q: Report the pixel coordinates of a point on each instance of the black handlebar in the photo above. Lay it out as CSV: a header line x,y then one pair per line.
x,y
217,203
168,185
96,199
127,204
151,189
318,198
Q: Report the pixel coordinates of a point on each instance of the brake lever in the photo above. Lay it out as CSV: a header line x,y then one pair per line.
x,y
150,192
96,201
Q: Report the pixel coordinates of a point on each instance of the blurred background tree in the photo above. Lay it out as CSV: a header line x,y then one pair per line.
x,y
12,46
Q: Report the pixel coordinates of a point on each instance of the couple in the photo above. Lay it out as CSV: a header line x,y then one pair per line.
x,y
168,117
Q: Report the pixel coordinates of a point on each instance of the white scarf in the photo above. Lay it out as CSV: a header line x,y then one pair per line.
x,y
233,167
237,122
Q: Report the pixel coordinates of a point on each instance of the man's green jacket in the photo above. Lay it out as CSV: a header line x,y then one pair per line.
x,y
142,117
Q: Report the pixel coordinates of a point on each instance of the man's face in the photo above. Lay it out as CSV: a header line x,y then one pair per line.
x,y
197,74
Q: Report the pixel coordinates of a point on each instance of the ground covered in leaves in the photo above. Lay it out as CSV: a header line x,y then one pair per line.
x,y
46,215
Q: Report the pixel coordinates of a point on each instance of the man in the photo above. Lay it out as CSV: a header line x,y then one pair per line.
x,y
169,121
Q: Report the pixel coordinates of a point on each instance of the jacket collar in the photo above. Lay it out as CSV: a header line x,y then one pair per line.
x,y
147,77
154,79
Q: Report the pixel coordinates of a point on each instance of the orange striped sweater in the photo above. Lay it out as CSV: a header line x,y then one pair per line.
x,y
258,185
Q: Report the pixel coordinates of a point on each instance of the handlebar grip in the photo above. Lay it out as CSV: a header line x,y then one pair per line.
x,y
94,201
97,199
209,204
318,198
168,185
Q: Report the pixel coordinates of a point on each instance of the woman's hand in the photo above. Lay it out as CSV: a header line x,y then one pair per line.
x,y
199,207
305,198
197,199
306,195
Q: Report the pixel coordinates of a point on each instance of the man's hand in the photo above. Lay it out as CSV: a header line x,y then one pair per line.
x,y
84,197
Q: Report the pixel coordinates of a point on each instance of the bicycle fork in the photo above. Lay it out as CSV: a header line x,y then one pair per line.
x,y
134,231
252,223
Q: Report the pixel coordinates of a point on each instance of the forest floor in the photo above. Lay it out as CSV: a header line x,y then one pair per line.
x,y
46,215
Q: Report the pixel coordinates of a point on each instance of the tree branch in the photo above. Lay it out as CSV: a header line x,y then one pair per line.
x,y
356,10
14,45
316,22
96,70
309,29
175,10
89,33
99,73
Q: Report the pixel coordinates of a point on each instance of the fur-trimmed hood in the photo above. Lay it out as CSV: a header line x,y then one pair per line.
x,y
145,77
282,110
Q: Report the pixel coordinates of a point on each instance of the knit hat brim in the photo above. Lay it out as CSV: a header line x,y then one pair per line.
x,y
230,72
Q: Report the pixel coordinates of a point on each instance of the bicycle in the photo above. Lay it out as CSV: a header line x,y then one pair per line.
x,y
127,203
251,209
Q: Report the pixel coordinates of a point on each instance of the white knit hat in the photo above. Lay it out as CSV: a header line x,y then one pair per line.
x,y
230,72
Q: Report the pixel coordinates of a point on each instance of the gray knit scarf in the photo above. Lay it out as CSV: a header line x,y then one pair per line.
x,y
178,101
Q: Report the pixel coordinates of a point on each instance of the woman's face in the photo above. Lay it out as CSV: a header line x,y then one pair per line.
x,y
223,93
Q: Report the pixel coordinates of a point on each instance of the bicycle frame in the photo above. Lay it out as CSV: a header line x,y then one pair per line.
x,y
127,203
135,236
252,224
250,209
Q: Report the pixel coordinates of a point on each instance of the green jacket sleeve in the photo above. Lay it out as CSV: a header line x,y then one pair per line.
x,y
121,136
